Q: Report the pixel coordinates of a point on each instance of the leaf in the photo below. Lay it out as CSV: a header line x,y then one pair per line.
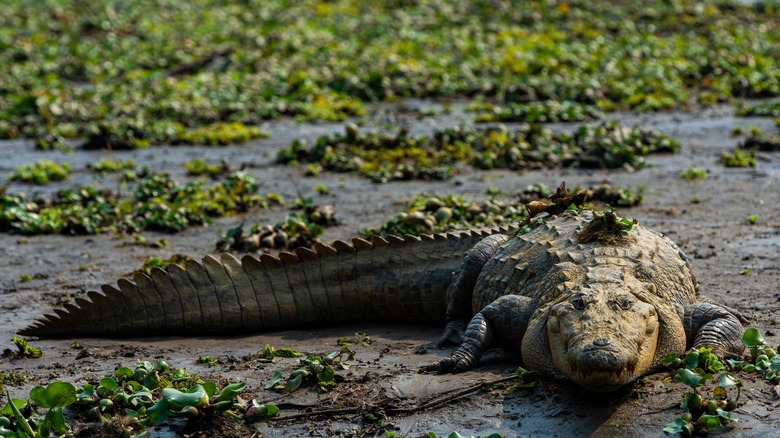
x,y
711,422
294,383
229,392
210,387
752,338
60,394
158,413
690,378
725,415
56,421
726,380
38,396
108,384
86,394
123,372
20,420
276,378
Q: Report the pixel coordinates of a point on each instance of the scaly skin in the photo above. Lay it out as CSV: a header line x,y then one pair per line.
x,y
598,312
601,313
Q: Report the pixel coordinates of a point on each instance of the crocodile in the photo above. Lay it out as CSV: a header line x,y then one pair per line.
x,y
574,300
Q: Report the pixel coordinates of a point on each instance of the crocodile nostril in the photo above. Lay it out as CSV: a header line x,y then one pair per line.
x,y
601,342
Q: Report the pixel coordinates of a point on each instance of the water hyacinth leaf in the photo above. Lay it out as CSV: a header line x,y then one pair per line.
x,y
752,337
106,386
38,396
210,387
692,360
55,420
276,378
7,411
726,380
295,381
230,392
267,410
123,373
326,374
60,394
158,413
725,415
196,396
86,393
711,422
678,426
690,378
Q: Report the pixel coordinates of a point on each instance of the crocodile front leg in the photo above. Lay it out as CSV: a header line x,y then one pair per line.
x,y
505,318
710,325
459,293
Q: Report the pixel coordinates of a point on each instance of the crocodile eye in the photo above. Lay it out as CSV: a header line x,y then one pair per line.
x,y
626,303
578,302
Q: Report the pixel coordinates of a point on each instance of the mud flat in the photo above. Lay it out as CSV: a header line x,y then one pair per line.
x,y
737,263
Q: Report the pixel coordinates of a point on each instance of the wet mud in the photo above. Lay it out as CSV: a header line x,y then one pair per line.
x,y
736,263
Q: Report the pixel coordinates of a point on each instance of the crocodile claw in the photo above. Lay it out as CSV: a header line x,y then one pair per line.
x,y
456,363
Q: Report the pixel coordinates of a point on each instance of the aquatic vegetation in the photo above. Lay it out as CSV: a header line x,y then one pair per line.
x,y
157,203
400,156
693,173
221,134
127,75
738,158
40,172
198,167
110,165
767,109
547,111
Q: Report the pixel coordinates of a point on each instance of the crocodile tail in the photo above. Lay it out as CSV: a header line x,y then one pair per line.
x,y
393,279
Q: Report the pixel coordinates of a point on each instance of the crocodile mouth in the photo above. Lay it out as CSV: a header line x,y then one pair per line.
x,y
600,375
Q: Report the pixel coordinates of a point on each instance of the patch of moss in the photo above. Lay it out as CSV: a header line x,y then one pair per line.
x,y
221,134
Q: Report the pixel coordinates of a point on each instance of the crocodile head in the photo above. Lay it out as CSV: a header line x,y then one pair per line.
x,y
602,338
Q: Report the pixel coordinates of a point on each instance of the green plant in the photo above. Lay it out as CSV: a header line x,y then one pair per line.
x,y
693,173
24,349
110,165
738,158
41,172
703,415
198,167
315,370
752,219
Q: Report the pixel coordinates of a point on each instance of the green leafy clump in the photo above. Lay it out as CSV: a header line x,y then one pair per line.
x,y
703,415
738,158
693,173
359,338
198,167
41,172
400,156
765,109
157,203
315,370
764,359
110,165
118,77
547,111
221,134
23,349
268,352
752,219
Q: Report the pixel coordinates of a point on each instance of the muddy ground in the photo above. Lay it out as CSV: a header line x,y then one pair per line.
x,y
707,218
